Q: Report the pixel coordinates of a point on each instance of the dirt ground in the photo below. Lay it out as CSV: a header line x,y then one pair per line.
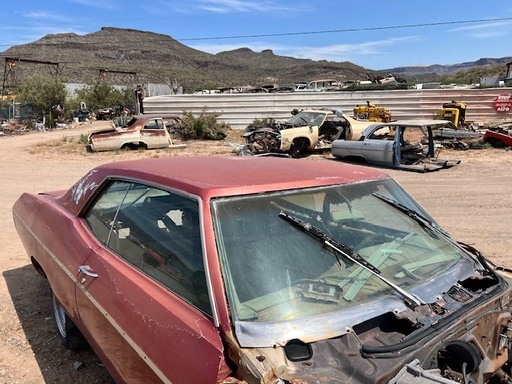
x,y
473,201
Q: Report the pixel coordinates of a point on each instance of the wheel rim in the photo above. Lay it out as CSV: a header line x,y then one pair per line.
x,y
298,148
60,316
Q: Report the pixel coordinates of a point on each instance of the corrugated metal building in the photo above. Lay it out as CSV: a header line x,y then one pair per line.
x,y
239,110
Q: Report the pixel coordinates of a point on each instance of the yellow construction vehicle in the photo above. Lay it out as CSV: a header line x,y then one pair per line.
x,y
454,112
370,112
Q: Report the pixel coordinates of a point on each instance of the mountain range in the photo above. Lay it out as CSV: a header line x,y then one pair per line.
x,y
129,56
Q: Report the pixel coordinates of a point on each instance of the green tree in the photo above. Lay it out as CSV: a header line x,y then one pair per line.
x,y
102,95
45,93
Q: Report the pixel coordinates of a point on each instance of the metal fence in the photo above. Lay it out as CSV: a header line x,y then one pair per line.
x,y
239,110
16,111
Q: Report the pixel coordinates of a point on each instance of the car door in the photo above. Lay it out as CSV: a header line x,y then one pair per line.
x,y
142,291
378,147
154,133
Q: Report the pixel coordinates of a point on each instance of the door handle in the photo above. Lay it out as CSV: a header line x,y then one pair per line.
x,y
86,270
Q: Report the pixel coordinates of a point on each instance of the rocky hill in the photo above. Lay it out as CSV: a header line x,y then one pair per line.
x,y
129,56
133,56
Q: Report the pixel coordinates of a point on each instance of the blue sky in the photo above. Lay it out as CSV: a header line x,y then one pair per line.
x,y
376,34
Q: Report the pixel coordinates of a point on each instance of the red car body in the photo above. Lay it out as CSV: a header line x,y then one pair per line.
x,y
498,137
132,322
153,315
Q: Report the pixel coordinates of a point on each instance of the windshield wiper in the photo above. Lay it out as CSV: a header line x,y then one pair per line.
x,y
351,255
422,220
426,223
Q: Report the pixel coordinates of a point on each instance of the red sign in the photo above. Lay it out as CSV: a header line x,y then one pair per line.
x,y
503,103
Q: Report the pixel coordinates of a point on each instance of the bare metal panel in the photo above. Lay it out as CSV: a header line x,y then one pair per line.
x,y
239,110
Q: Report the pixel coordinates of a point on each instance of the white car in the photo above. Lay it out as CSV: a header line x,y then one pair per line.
x,y
305,132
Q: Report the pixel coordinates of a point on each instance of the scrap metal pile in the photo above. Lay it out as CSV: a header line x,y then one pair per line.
x,y
14,128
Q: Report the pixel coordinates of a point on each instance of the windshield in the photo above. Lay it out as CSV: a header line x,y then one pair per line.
x,y
307,118
275,271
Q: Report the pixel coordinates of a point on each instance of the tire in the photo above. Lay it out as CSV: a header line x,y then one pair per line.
x,y
299,148
69,334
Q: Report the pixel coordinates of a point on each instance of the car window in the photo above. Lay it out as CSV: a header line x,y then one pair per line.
x,y
154,124
307,118
155,231
132,121
383,133
412,136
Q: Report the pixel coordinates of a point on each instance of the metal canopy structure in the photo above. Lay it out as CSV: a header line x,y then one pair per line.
x,y
103,72
10,80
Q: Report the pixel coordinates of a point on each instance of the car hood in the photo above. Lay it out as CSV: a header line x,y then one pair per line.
x,y
326,326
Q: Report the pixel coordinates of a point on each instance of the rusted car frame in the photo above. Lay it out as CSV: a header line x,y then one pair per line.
x,y
307,131
141,131
407,145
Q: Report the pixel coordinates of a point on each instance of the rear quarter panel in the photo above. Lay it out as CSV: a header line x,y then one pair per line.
x,y
114,140
48,234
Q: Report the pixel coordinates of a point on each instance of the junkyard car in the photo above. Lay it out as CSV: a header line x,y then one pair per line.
x,y
141,131
105,114
305,132
406,145
208,270
498,137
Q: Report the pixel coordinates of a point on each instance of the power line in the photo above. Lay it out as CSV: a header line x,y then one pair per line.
x,y
346,30
364,29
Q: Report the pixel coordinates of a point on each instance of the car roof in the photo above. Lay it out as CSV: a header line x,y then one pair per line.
x,y
418,123
241,175
155,116
209,177
325,111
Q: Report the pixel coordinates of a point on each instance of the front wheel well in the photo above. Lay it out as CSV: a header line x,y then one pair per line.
x,y
299,147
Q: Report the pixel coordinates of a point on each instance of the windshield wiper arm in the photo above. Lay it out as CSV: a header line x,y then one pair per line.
x,y
351,255
424,222
419,218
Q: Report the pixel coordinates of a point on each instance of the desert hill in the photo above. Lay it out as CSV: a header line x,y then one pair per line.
x,y
130,56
